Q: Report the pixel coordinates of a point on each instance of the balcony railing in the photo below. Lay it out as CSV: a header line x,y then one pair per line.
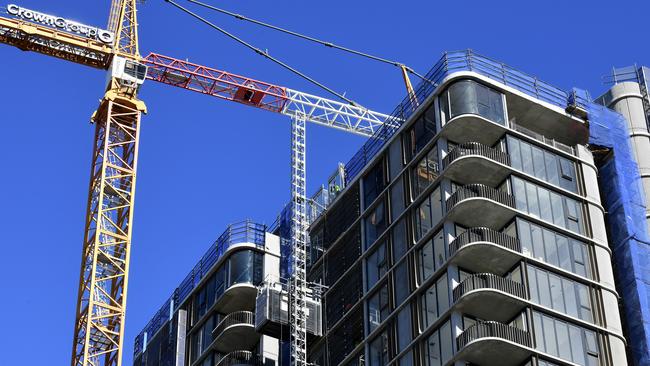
x,y
236,318
483,234
479,191
539,137
491,329
241,232
489,281
475,148
240,358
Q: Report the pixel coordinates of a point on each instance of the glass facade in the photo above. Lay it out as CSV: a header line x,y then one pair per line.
x,y
547,205
397,263
567,341
413,298
471,97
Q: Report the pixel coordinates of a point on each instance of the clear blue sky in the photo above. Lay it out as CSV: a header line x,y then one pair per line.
x,y
204,162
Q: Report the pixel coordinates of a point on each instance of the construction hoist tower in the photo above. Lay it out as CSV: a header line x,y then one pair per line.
x,y
101,299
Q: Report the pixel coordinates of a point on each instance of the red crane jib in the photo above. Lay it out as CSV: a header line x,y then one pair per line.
x,y
216,83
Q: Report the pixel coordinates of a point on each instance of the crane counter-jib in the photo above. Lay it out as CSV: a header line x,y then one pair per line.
x,y
29,36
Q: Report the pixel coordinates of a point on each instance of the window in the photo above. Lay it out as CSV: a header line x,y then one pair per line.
x,y
404,332
542,164
373,183
397,199
470,97
428,214
378,307
379,354
420,133
245,267
434,302
565,340
377,265
425,172
375,224
395,160
553,248
431,256
438,346
401,282
548,206
407,359
399,239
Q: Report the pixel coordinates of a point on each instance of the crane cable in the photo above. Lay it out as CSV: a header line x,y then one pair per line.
x,y
315,40
264,54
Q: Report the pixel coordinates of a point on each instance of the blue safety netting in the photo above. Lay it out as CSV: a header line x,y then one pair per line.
x,y
624,200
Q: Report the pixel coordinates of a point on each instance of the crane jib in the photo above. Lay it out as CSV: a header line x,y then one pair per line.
x,y
90,32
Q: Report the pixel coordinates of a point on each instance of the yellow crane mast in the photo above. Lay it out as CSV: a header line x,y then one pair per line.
x,y
101,299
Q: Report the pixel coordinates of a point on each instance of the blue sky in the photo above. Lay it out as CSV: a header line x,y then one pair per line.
x,y
204,162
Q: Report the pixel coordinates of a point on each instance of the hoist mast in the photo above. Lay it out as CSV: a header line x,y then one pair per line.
x,y
102,294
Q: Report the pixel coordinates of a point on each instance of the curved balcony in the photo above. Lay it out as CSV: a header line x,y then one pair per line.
x,y
487,296
240,296
486,343
235,331
478,163
237,358
481,249
480,205
477,128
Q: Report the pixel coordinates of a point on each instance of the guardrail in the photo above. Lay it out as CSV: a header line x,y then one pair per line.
x,y
237,233
489,281
479,191
539,137
451,62
236,318
483,234
491,329
240,358
475,148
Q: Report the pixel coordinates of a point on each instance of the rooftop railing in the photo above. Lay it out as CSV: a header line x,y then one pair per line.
x,y
451,62
489,281
237,233
475,148
483,234
492,329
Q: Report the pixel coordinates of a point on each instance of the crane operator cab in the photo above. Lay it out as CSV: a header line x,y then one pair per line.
x,y
129,73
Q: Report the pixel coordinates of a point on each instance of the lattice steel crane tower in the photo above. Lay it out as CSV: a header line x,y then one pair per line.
x,y
101,299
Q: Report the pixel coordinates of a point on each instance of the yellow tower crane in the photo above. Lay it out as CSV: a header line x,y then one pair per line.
x,y
101,299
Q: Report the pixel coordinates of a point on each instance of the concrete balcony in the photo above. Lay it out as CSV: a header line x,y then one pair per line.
x,y
481,249
487,296
472,127
476,163
487,343
480,205
240,296
240,358
235,331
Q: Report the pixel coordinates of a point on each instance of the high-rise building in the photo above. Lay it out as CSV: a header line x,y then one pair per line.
x,y
492,227
209,318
